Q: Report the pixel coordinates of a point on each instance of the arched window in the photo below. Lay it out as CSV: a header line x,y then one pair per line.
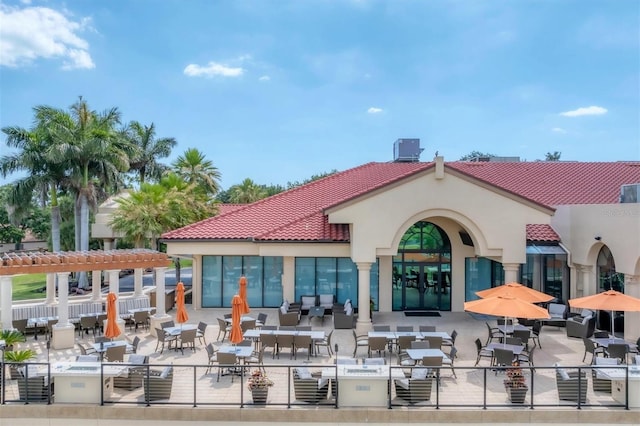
x,y
608,278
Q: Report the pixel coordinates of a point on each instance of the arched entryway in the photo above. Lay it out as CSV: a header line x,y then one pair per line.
x,y
422,269
609,279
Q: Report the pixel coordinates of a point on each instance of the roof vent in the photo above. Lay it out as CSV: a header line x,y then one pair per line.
x,y
407,150
629,193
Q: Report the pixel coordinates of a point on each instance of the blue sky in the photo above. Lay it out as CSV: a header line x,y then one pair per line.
x,y
278,90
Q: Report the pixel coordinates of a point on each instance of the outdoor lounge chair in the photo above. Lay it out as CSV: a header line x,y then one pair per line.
x,y
571,387
34,388
136,372
581,326
416,388
599,382
309,388
158,384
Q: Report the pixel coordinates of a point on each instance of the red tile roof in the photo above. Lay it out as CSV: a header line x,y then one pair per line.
x,y
298,214
542,233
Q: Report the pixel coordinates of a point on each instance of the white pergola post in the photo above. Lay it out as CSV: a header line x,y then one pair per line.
x,y
161,313
51,289
63,332
6,301
96,286
137,282
364,294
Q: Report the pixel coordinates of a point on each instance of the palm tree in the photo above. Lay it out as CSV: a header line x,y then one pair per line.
x,y
43,174
88,146
149,150
246,192
195,169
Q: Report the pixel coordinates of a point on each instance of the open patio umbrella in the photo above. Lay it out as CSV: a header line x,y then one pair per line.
x,y
516,290
236,314
181,313
243,294
610,300
112,330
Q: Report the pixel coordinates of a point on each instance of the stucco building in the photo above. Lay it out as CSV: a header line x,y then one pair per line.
x,y
413,235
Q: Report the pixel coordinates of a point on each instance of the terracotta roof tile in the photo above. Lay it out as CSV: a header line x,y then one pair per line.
x,y
540,232
298,214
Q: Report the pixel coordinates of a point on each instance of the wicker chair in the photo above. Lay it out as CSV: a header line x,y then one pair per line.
x,y
571,387
158,384
135,374
308,388
601,384
414,390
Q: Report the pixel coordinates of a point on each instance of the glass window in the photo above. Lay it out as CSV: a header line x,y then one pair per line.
x,y
231,275
347,281
211,281
272,281
253,273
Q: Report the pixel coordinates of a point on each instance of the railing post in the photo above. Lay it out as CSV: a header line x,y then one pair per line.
x,y
195,379
484,388
531,371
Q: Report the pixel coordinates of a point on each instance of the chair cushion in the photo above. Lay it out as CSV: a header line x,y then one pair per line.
x,y
348,310
419,373
605,361
165,373
283,309
637,357
403,383
322,383
563,373
326,299
137,359
308,301
304,373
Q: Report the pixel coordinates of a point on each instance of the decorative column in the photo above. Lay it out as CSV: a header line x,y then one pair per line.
x,y
51,289
96,286
511,271
161,314
137,282
6,301
586,272
63,332
632,319
364,294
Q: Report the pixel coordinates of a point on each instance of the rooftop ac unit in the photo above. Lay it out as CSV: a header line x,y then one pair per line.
x,y
629,193
407,150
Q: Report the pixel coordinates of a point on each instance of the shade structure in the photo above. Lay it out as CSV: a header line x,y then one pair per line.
x,y
517,290
506,306
181,312
112,330
610,300
243,294
236,315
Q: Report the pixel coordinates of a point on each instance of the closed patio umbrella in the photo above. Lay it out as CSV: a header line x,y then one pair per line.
x,y
236,315
243,294
112,330
181,313
610,300
517,290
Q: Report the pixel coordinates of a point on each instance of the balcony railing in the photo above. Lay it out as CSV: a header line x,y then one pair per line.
x,y
201,385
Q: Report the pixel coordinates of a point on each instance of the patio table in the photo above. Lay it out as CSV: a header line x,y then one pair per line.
x,y
175,331
509,329
605,342
101,348
517,349
418,354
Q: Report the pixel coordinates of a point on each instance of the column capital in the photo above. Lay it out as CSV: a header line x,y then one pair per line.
x,y
364,266
631,279
511,267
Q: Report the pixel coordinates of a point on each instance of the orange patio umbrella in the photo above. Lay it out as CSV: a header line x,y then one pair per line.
x,y
181,313
236,314
112,330
243,294
610,300
517,290
506,306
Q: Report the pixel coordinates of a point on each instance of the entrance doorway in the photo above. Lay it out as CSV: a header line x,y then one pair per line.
x,y
422,270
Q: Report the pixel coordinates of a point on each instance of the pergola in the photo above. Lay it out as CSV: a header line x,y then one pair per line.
x,y
61,264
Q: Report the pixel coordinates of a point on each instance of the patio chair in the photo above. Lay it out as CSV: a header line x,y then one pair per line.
x,y
359,340
167,324
256,359
415,389
84,350
591,348
503,358
135,373
212,357
115,354
268,340
618,351
262,320
158,384
223,328
493,334
571,386
325,342
599,334
536,328
285,341
377,344
420,344
200,333
427,328
482,353
435,342
34,388
164,338
100,319
404,328
450,360
187,339
405,342
133,348
140,318
381,327
599,382
247,325
526,357
302,341
20,325
450,343
228,361
524,336
309,388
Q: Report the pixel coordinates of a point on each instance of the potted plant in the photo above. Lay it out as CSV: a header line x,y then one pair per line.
x,y
11,337
515,384
18,358
259,384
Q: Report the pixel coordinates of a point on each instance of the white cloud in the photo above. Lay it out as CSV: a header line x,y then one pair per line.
x,y
591,110
559,130
374,110
264,78
212,69
39,32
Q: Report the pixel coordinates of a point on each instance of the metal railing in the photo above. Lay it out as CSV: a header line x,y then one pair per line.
x,y
226,385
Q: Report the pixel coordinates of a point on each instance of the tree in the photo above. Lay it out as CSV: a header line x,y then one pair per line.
x,y
149,150
246,192
553,157
194,168
88,145
475,154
